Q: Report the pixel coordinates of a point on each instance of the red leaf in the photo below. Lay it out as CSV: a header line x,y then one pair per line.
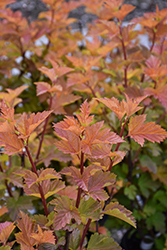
x,y
97,182
70,191
65,212
150,131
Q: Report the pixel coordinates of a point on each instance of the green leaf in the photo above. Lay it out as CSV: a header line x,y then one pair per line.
x,y
162,174
110,71
149,210
157,220
131,192
89,208
118,211
102,242
5,248
148,164
146,184
161,195
75,238
15,205
155,148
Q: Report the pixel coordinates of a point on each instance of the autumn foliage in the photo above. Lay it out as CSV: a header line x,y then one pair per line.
x,y
82,128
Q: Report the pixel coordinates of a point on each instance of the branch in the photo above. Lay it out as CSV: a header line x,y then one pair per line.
x,y
151,48
39,185
125,58
43,133
84,233
79,189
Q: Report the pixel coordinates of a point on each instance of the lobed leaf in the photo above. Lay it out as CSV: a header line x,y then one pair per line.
x,y
26,226
65,212
97,182
70,142
102,242
118,211
5,230
150,131
11,143
84,118
27,124
43,236
3,210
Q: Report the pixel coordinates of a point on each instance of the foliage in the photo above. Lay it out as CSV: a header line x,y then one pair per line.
x,y
82,128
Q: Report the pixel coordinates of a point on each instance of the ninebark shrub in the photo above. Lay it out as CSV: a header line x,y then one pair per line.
x,y
82,127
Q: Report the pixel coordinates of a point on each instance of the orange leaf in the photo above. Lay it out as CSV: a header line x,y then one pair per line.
x,y
56,71
6,113
44,87
131,106
3,210
70,123
159,93
119,13
43,236
5,230
27,124
26,226
11,96
93,137
122,108
85,118
70,143
113,104
154,68
150,131
76,78
11,143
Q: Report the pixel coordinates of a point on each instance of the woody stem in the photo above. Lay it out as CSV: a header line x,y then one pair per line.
x,y
84,233
81,171
43,133
39,185
117,147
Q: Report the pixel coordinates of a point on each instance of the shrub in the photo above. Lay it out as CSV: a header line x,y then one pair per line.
x,y
75,117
